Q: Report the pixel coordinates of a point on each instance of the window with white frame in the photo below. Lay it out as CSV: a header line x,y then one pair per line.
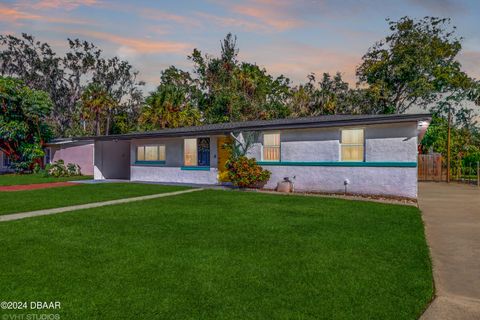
x,y
352,145
271,147
190,152
152,152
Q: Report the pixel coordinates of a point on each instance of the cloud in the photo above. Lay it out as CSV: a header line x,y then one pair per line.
x,y
297,60
264,14
155,14
470,60
232,22
271,15
62,4
138,45
15,16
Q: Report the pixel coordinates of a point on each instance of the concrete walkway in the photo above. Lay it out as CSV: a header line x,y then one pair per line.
x,y
451,213
22,215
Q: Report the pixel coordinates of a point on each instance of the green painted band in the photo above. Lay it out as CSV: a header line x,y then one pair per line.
x,y
339,164
193,168
150,163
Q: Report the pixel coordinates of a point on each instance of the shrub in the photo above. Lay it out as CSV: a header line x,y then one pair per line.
x,y
244,172
58,169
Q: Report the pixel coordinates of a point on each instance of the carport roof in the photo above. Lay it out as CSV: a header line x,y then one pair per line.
x,y
261,125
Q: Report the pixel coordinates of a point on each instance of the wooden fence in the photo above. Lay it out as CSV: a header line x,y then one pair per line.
x,y
431,167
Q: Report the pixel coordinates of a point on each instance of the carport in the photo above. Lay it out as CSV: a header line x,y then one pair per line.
x,y
112,159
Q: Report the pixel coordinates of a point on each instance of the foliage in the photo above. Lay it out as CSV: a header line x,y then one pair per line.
x,y
96,104
173,104
415,65
23,127
65,78
242,143
244,172
237,91
465,141
59,169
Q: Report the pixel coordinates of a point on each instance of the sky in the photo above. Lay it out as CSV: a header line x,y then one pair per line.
x,y
289,37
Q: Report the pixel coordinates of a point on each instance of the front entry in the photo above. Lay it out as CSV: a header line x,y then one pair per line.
x,y
203,152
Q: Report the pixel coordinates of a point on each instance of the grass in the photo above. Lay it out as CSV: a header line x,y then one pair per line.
x,y
21,179
222,255
21,201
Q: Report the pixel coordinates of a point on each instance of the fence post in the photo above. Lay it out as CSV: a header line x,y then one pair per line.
x,y
478,173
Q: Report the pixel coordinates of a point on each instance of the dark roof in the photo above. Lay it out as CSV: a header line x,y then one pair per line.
x,y
260,125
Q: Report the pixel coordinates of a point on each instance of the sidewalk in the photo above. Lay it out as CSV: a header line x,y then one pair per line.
x,y
22,215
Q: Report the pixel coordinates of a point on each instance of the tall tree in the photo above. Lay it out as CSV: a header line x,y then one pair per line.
x,y
65,77
23,129
96,105
414,65
236,91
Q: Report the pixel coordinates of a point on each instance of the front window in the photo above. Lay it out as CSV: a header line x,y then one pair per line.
x,y
271,147
151,153
190,152
197,152
352,145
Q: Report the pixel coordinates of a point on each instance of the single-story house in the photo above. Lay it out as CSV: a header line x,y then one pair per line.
x,y
363,154
71,151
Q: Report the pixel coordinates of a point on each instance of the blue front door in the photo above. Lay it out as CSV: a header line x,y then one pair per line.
x,y
204,152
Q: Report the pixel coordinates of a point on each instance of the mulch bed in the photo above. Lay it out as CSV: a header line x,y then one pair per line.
x,y
36,186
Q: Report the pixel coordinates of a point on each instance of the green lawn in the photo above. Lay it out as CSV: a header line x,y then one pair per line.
x,y
16,179
21,201
222,255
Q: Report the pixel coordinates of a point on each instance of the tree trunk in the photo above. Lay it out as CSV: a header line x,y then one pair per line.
x,y
107,127
97,124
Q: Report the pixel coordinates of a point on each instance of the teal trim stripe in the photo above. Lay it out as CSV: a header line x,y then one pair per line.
x,y
150,163
338,164
193,168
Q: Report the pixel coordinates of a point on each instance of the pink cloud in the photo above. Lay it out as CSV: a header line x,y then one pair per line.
x,y
15,15
137,44
296,61
232,22
271,15
63,4
155,14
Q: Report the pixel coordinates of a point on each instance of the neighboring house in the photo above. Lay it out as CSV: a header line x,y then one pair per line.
x,y
4,163
71,151
371,154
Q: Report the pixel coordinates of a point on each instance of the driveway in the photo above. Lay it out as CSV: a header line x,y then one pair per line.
x,y
451,213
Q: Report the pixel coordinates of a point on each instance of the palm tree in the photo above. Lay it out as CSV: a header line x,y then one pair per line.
x,y
96,104
167,107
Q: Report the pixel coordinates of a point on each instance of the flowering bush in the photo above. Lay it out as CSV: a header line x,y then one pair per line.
x,y
245,172
58,169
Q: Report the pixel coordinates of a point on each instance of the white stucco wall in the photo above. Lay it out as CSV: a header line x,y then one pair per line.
x,y
391,181
174,148
383,143
173,174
